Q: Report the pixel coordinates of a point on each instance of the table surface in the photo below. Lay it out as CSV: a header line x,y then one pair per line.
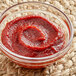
x,y
63,67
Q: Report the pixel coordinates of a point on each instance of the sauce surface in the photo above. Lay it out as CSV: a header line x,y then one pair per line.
x,y
33,36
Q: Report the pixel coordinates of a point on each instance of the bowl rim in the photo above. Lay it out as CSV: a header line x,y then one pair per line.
x,y
32,58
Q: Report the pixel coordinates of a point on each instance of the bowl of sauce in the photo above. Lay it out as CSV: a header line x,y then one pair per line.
x,y
34,34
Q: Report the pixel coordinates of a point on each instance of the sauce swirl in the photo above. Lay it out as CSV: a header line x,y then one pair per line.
x,y
32,36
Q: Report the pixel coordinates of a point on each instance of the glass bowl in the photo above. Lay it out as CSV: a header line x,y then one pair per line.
x,y
47,11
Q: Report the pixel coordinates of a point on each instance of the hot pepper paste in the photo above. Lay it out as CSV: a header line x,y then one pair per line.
x,y
33,36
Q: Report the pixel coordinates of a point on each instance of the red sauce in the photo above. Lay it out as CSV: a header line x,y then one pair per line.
x,y
33,36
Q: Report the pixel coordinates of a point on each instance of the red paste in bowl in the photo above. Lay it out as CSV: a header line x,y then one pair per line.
x,y
32,36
